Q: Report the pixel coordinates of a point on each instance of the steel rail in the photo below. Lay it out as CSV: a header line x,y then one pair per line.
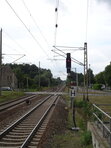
x,y
17,102
11,101
2,134
33,132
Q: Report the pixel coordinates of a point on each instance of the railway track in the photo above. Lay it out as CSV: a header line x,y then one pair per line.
x,y
27,131
13,103
10,104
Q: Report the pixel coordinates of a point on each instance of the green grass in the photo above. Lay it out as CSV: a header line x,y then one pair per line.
x,y
99,100
80,139
102,100
10,95
72,139
68,140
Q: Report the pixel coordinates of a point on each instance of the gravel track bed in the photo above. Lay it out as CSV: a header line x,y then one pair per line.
x,y
10,116
56,125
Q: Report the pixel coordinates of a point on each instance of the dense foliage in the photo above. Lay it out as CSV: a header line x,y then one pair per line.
x,y
104,77
30,76
76,77
97,81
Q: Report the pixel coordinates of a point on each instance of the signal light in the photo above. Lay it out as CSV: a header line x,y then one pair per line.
x,y
68,62
68,70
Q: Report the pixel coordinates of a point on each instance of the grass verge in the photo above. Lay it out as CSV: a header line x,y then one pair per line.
x,y
73,139
10,95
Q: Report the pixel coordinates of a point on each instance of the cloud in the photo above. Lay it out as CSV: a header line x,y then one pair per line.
x,y
62,5
106,1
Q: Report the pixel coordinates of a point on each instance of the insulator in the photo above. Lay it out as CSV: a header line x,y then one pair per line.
x,y
56,25
55,9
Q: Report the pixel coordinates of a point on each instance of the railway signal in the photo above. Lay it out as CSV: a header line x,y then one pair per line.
x,y
68,63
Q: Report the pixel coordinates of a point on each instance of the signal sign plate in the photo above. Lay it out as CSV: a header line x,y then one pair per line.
x,y
72,92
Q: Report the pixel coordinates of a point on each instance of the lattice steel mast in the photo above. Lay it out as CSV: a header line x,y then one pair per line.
x,y
85,95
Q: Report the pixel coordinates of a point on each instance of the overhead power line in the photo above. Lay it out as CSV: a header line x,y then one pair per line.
x,y
58,53
14,40
73,59
18,58
26,27
21,56
56,20
87,19
69,47
37,26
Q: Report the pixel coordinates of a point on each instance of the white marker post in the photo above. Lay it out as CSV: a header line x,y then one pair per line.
x,y
73,91
72,94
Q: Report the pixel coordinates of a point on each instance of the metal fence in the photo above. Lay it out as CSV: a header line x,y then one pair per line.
x,y
103,122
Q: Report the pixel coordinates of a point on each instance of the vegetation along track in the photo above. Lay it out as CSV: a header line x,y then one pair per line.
x,y
26,131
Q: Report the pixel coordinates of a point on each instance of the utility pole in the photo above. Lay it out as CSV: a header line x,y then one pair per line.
x,y
0,61
27,82
39,74
76,78
85,96
89,76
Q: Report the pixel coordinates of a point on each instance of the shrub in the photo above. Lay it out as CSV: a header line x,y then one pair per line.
x,y
86,138
97,86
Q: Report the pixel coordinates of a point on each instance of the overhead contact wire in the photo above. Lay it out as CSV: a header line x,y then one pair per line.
x,y
26,27
56,21
87,19
37,26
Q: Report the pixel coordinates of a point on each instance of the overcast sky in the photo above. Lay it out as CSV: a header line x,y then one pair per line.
x,y
30,29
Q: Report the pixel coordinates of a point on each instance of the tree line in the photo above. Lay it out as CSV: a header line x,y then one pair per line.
x,y
94,81
104,77
32,77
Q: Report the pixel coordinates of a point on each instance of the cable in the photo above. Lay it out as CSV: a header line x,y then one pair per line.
x,y
14,40
56,21
37,26
26,27
10,47
58,53
73,59
15,43
79,48
18,59
87,19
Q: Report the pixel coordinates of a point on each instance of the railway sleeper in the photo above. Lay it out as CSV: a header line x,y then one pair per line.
x,y
26,125
10,144
23,128
9,139
30,122
16,136
34,143
38,136
32,146
15,133
21,131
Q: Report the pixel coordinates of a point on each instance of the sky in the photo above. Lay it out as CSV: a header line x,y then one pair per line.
x,y
29,33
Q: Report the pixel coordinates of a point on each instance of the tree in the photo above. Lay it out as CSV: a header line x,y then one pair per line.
x,y
29,75
99,78
73,78
91,79
80,79
107,75
19,76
